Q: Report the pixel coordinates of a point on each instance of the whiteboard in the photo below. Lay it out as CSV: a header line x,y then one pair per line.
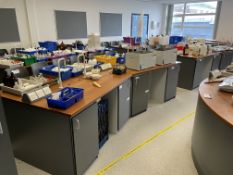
x,y
110,24
71,24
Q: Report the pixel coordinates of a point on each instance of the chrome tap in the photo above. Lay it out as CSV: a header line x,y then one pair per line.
x,y
59,71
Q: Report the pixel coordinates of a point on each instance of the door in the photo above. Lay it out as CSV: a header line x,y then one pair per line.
x,y
124,103
140,93
86,142
7,162
172,81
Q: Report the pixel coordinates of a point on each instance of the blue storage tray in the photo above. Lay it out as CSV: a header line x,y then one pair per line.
x,y
47,70
42,60
68,97
26,52
76,74
49,45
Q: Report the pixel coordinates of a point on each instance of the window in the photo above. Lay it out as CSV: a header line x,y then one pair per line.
x,y
196,19
134,26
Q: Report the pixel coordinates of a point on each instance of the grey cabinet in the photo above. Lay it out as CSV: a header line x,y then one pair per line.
x,y
7,163
172,81
216,62
140,93
193,71
226,59
124,104
86,143
203,67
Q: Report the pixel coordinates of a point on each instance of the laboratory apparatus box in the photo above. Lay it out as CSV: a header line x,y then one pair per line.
x,y
140,60
165,56
66,98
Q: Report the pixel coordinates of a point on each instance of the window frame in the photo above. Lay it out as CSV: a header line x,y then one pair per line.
x,y
171,10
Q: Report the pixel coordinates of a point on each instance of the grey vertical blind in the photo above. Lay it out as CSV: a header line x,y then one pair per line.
x,y
8,25
70,24
110,24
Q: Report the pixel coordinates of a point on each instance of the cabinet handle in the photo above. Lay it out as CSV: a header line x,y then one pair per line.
x,y
127,99
200,60
1,130
173,67
136,79
120,87
147,91
77,124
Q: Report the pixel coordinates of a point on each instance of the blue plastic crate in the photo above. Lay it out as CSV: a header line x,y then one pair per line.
x,y
26,52
76,74
47,70
42,59
49,45
68,97
175,39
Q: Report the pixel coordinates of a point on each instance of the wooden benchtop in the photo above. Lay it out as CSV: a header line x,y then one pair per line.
x,y
197,58
221,103
91,93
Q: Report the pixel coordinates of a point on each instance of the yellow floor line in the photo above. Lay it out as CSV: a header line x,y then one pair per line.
x,y
126,155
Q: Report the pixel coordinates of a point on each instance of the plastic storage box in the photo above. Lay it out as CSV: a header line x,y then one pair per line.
x,y
27,61
31,53
106,59
47,70
67,97
49,45
175,39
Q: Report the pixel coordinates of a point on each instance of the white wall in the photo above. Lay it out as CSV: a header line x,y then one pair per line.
x,y
22,21
41,19
225,28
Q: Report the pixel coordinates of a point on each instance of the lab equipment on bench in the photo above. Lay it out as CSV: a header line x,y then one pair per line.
x,y
119,69
94,74
227,85
65,98
166,56
21,86
140,60
36,94
11,64
105,66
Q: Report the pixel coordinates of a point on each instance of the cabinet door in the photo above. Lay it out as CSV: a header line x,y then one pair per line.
x,y
140,93
124,103
198,73
7,163
86,144
216,62
172,81
226,59
203,67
